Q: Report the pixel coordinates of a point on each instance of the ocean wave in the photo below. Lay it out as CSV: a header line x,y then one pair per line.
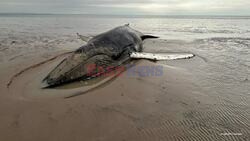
x,y
239,40
207,31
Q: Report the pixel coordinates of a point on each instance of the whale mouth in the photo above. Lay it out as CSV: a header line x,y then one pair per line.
x,y
75,67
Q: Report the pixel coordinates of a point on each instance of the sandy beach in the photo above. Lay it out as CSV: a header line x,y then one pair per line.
x,y
169,107
203,98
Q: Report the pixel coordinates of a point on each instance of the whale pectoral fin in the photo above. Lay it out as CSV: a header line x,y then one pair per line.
x,y
144,37
160,56
83,38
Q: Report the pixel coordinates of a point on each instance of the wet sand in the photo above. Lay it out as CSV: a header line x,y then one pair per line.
x,y
169,107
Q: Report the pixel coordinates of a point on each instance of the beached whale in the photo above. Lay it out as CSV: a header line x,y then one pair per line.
x,y
112,48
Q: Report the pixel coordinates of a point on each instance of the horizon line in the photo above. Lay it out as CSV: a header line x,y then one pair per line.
x,y
215,15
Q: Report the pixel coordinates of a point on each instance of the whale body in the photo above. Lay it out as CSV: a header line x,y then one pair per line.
x,y
112,48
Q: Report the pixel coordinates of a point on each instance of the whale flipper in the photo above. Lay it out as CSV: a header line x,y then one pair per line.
x,y
144,37
160,56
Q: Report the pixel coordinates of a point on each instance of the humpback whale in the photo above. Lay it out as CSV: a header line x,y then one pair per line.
x,y
112,48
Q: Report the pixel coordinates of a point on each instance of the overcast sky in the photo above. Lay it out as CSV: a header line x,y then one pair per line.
x,y
128,7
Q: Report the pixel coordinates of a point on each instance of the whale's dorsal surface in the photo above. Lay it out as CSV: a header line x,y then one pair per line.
x,y
112,48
